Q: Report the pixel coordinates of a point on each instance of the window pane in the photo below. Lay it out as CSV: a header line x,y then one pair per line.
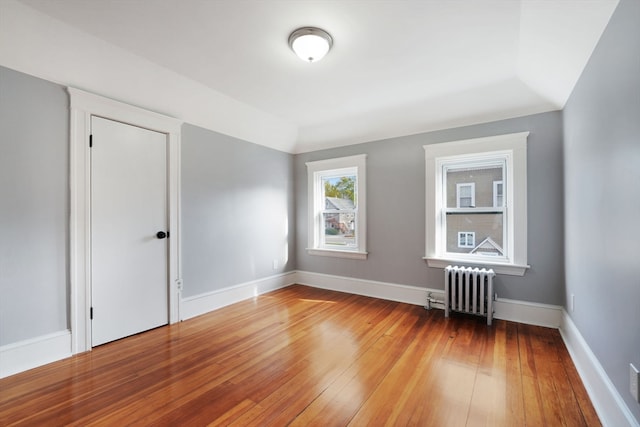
x,y
465,191
466,202
339,229
465,194
477,185
498,194
340,192
466,239
486,237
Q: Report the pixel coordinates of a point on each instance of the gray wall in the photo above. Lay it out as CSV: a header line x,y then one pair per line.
x,y
396,210
237,207
34,197
237,211
602,204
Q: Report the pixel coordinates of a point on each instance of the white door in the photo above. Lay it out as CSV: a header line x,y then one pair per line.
x,y
129,280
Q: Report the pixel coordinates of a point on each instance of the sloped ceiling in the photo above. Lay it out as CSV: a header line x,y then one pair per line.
x,y
396,67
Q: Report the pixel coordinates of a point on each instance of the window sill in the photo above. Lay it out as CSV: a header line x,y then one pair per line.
x,y
337,253
499,268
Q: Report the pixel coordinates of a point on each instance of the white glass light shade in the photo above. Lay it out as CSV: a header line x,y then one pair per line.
x,y
310,44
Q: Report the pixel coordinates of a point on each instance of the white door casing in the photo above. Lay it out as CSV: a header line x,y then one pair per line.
x,y
129,292
84,105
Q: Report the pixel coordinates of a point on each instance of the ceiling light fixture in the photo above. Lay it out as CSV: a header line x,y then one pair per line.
x,y
310,44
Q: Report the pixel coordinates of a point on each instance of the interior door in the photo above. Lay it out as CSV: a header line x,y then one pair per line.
x,y
129,254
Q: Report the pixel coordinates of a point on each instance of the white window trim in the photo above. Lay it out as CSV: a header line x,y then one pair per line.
x,y
514,146
315,206
495,193
466,239
473,192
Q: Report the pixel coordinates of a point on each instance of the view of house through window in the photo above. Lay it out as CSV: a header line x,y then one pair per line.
x,y
337,207
339,214
476,203
474,210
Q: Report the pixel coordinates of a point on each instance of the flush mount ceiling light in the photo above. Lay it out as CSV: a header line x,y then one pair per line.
x,y
310,44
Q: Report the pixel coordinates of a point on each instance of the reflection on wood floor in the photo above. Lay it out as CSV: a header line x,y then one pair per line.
x,y
303,356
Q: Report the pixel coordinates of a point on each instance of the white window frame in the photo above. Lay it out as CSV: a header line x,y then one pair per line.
x,y
511,147
495,194
459,187
466,239
316,171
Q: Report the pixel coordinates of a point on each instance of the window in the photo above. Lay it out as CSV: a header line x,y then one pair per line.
x,y
466,239
466,195
473,206
498,198
476,192
337,207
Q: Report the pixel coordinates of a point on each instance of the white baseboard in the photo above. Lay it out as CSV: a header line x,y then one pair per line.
x,y
606,400
204,303
608,403
505,309
19,357
29,354
530,313
368,288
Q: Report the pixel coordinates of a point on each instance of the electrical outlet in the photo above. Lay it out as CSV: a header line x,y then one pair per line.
x,y
275,264
633,382
573,302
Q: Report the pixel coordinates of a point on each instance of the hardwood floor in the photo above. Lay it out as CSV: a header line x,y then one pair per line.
x,y
302,356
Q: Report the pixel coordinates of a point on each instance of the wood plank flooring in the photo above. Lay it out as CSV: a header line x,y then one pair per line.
x,y
302,356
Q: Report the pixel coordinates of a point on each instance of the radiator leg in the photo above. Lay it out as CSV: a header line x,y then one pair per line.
x,y
447,285
490,302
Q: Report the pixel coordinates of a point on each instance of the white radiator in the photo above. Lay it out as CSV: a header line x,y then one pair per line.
x,y
468,290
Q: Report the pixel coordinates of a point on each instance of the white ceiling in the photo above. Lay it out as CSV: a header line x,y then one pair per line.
x,y
396,68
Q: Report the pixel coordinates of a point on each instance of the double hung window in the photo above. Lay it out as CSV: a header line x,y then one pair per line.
x,y
466,195
498,194
476,203
337,207
468,202
466,239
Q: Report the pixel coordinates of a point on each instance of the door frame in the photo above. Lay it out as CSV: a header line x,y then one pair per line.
x,y
83,106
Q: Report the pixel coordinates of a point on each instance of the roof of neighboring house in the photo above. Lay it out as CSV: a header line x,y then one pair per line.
x,y
339,204
488,245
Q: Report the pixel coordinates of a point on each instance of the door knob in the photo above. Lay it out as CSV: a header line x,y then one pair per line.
x,y
161,234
